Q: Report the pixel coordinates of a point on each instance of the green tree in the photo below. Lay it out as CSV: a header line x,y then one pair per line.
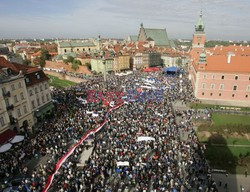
x,y
26,62
75,64
44,56
70,59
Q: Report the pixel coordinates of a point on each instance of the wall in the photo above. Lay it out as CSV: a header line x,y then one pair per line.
x,y
65,77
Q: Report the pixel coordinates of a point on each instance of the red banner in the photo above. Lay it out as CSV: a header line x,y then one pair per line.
x,y
72,149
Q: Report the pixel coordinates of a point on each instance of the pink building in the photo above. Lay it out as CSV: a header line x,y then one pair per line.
x,y
219,75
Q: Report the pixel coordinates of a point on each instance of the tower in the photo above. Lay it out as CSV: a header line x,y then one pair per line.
x,y
199,34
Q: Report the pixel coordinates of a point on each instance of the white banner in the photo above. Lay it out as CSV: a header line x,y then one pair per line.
x,y
122,163
145,139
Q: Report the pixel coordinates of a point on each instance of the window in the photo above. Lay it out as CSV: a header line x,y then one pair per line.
x,y
248,88
212,86
19,112
46,86
37,75
30,92
4,89
203,85
2,123
236,77
211,94
19,85
13,87
47,95
22,97
27,80
38,101
77,49
43,98
41,88
233,95
65,50
222,77
204,76
33,104
213,76
15,99
36,90
7,102
221,86
246,96
219,94
203,93
235,87
25,109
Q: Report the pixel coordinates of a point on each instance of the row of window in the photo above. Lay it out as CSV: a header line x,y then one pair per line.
x,y
13,87
36,89
220,94
38,101
65,50
222,77
221,87
19,112
16,98
2,122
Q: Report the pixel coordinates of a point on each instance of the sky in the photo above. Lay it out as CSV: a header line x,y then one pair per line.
x,y
224,19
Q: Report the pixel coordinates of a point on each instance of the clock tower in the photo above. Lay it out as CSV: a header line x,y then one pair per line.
x,y
199,34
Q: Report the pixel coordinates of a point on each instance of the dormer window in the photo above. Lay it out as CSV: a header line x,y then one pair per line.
x,y
37,75
27,80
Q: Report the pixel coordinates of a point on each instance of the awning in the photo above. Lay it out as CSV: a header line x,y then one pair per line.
x,y
6,136
44,110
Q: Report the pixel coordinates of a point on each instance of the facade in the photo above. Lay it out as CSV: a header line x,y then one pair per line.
x,y
159,36
75,47
151,60
123,62
98,66
17,83
220,75
15,109
172,60
137,61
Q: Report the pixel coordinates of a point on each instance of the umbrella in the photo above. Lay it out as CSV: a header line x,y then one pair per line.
x,y
17,139
5,147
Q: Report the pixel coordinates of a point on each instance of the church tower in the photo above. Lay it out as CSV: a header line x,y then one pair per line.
x,y
199,34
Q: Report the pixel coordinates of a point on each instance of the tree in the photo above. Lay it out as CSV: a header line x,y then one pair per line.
x,y
88,65
26,62
70,59
75,64
44,56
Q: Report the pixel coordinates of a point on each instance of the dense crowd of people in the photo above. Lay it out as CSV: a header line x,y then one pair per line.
x,y
119,161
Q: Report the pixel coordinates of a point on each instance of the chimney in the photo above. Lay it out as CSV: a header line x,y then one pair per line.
x,y
229,55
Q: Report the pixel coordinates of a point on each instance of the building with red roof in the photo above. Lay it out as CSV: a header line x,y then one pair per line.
x,y
219,75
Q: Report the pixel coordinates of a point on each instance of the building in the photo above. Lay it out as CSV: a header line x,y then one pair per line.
x,y
151,59
99,65
121,62
27,97
158,36
75,47
219,75
15,112
39,95
137,61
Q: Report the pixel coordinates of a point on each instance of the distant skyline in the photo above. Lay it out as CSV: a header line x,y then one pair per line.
x,y
224,19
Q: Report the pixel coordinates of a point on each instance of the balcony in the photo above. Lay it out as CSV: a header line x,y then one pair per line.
x,y
10,107
6,94
13,120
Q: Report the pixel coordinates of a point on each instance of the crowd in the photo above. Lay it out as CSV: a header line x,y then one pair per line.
x,y
164,163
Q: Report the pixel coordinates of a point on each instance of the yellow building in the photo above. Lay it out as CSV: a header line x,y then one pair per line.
x,y
121,62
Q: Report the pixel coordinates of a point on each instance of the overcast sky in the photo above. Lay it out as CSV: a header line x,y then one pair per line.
x,y
224,19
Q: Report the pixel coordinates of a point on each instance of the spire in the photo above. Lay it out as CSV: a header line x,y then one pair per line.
x,y
200,25
141,25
